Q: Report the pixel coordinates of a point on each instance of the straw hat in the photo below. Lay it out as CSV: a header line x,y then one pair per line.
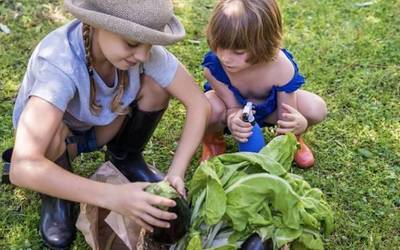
x,y
146,21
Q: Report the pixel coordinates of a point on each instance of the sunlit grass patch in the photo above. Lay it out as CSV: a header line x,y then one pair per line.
x,y
350,56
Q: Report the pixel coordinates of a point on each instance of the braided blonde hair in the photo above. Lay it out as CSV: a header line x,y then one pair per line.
x,y
116,104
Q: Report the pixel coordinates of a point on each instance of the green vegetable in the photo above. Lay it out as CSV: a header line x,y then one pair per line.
x,y
178,227
236,195
282,149
246,197
163,189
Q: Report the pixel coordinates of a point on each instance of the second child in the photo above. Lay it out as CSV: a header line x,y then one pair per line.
x,y
247,63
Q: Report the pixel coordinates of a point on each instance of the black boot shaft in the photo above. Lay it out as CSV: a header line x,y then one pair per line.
x,y
6,157
125,150
136,131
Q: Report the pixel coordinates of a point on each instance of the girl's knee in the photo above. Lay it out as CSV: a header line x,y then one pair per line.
x,y
312,106
218,109
104,134
218,113
318,111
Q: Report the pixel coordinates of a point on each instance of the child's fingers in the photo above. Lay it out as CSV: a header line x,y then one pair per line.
x,y
286,124
142,185
242,137
243,134
156,200
241,123
282,131
289,108
179,186
239,129
181,190
143,224
147,218
289,116
237,118
160,214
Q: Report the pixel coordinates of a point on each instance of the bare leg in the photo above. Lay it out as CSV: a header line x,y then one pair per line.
x,y
152,97
218,113
213,141
310,105
103,135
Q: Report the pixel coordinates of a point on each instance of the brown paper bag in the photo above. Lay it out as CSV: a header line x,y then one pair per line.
x,y
104,229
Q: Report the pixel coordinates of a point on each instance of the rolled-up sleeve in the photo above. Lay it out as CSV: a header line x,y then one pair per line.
x,y
52,84
161,66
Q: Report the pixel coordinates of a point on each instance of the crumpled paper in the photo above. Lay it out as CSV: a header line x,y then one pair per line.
x,y
104,229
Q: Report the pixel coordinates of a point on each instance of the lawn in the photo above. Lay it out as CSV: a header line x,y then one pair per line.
x,y
349,52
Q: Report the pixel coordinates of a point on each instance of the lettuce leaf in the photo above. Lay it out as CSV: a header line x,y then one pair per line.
x,y
242,193
246,196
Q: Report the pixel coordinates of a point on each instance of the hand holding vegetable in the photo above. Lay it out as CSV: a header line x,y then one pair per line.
x,y
176,182
180,225
293,121
142,207
240,129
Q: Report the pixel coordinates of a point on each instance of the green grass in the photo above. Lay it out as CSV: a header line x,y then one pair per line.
x,y
350,56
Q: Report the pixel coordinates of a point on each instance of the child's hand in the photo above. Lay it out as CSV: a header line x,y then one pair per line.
x,y
294,121
132,201
240,129
177,183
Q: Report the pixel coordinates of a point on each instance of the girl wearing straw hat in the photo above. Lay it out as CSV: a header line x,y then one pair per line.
x,y
103,79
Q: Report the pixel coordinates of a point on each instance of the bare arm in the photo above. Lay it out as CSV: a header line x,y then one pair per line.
x,y
184,88
287,98
289,118
223,92
240,130
31,169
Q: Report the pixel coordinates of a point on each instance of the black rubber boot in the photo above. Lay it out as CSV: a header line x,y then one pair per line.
x,y
57,217
125,150
6,157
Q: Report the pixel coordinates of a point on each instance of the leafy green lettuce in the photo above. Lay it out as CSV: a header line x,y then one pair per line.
x,y
235,195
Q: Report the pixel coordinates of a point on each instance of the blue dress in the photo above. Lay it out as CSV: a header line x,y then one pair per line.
x,y
269,105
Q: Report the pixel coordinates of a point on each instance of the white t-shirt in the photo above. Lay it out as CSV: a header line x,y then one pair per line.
x,y
57,73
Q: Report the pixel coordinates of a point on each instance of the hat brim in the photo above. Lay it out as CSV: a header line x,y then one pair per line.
x,y
172,33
